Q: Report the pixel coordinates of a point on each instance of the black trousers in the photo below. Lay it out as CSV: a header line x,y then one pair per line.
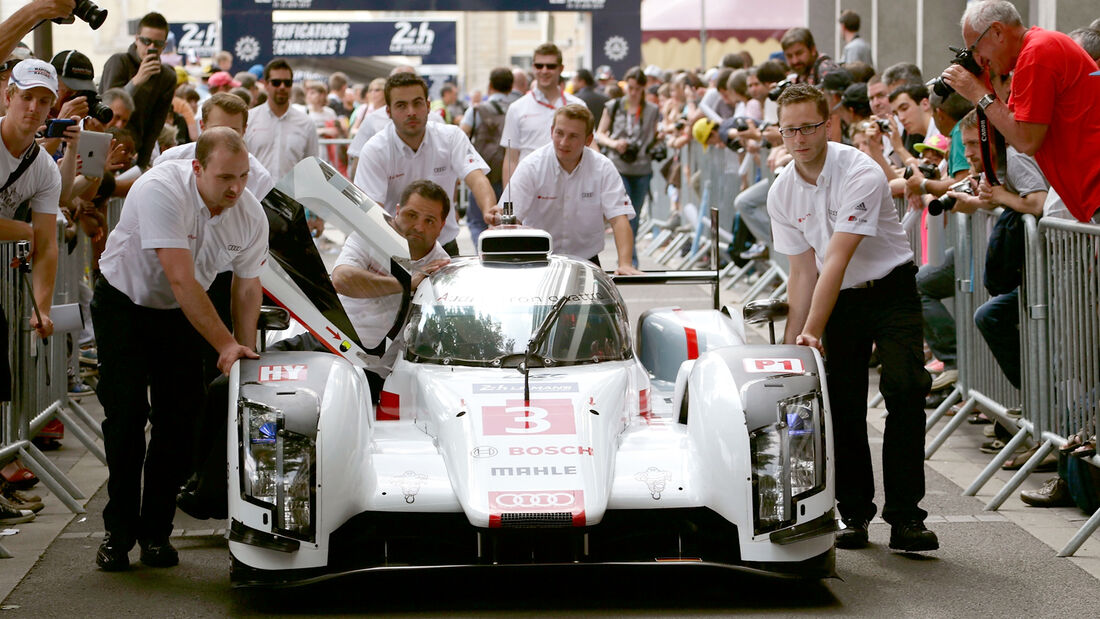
x,y
150,370
888,315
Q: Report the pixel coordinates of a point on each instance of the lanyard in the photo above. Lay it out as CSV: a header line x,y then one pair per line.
x,y
547,105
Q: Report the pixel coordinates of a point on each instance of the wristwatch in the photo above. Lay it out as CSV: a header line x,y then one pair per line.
x,y
986,101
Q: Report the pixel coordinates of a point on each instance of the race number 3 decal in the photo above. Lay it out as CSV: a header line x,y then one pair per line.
x,y
537,417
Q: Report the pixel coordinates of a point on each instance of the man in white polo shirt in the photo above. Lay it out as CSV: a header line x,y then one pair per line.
x,y
527,124
183,222
278,134
569,190
852,285
410,149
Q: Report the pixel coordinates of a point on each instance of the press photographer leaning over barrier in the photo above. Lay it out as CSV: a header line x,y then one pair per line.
x,y
1054,109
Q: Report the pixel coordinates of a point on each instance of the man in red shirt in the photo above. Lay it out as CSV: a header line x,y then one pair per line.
x,y
1053,112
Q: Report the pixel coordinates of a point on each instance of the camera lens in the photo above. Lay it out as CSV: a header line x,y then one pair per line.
x,y
941,204
87,11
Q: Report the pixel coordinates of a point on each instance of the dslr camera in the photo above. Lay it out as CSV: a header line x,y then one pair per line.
x,y
778,89
946,202
963,57
929,171
88,12
96,109
630,155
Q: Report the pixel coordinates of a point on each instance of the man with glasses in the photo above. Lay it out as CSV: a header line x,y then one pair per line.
x,y
278,134
1053,112
527,125
151,83
852,285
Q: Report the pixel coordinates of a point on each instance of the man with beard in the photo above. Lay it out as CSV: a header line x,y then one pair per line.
x,y
278,134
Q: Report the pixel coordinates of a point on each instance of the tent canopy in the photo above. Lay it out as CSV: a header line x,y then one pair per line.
x,y
725,19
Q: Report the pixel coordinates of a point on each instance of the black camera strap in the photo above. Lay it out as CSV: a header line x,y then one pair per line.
x,y
28,159
988,136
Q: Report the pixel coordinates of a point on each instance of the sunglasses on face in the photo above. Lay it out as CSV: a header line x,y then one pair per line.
x,y
281,83
159,44
547,65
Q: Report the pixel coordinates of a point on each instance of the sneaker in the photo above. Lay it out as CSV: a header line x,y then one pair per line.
x,y
80,389
1054,493
10,513
912,537
159,554
945,380
16,499
854,535
758,251
89,356
113,554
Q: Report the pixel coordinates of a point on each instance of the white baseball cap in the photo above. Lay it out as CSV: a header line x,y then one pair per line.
x,y
32,73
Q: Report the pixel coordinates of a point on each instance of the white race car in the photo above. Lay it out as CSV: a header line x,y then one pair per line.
x,y
521,423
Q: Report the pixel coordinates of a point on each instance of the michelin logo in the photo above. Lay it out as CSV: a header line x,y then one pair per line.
x,y
518,388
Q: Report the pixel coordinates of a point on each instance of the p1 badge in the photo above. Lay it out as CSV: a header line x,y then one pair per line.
x,y
774,365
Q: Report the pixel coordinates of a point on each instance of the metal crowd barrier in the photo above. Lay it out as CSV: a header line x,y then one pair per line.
x,y
981,383
1059,344
1071,359
40,375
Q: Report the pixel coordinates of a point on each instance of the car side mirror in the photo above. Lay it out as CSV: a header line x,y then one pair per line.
x,y
273,319
765,309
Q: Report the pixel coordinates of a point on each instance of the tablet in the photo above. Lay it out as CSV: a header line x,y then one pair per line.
x,y
93,149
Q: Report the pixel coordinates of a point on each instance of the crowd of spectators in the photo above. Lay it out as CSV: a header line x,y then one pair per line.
x,y
545,125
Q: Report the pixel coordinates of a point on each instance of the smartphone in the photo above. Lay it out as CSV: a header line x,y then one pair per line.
x,y
56,127
93,147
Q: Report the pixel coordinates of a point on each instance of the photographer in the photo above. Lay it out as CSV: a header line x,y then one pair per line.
x,y
1024,190
27,17
802,57
151,84
1055,111
627,132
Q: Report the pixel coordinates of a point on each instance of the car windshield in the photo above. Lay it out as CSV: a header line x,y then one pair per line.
x,y
473,314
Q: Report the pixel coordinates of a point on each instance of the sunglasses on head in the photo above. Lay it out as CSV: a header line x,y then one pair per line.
x,y
159,44
547,65
281,83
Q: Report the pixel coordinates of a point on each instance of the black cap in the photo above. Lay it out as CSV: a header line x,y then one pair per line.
x,y
74,70
855,95
836,81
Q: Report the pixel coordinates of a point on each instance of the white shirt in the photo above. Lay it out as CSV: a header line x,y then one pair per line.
x,y
259,180
280,142
372,317
164,210
387,165
572,207
374,122
40,183
851,195
527,123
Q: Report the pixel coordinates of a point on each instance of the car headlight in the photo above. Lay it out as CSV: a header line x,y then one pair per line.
x,y
278,469
788,461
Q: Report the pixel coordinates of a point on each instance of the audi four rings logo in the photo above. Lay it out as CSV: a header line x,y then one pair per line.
x,y
483,451
546,500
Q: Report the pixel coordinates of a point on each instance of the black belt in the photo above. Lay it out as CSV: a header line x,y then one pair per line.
x,y
885,279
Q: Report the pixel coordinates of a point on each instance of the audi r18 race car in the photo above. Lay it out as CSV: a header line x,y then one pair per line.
x,y
521,423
